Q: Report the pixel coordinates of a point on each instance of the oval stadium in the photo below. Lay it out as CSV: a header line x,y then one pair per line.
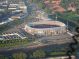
x,y
45,28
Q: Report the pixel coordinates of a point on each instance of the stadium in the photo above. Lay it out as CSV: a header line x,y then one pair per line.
x,y
45,28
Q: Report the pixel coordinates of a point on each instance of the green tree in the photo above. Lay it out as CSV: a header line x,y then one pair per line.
x,y
38,54
3,57
47,10
35,1
41,5
19,55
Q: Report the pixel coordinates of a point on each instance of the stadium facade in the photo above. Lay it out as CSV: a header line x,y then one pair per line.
x,y
46,28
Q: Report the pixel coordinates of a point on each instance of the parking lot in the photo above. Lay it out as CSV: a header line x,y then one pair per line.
x,y
14,35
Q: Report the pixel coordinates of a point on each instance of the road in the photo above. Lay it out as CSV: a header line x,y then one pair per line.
x,y
32,48
51,40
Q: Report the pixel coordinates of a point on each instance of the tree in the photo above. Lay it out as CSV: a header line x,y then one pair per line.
x,y
41,5
3,57
38,54
35,1
65,3
19,55
47,10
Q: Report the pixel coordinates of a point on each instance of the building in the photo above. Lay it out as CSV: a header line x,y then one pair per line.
x,y
45,28
54,5
52,1
15,1
15,17
3,6
72,7
21,6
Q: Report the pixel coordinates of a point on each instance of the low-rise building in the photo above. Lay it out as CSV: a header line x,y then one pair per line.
x,y
72,7
15,17
54,5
